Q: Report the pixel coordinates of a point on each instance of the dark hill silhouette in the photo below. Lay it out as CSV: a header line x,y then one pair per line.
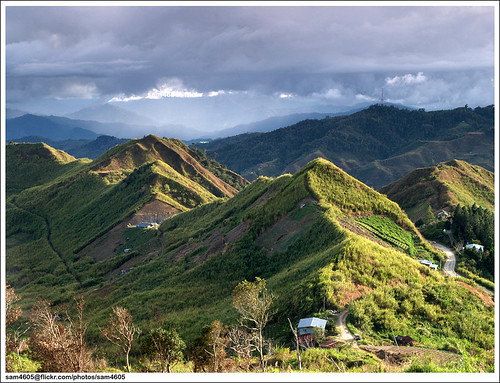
x,y
377,145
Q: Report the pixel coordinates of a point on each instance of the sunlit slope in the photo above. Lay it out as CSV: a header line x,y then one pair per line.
x,y
302,233
75,203
443,186
30,165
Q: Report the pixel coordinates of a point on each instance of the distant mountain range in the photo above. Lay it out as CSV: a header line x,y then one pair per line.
x,y
108,113
55,128
274,123
59,128
377,145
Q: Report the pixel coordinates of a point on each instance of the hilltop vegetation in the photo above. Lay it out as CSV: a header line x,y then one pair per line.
x,y
377,145
58,206
443,186
78,148
321,239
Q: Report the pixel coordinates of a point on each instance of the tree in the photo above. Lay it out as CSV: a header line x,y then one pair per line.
x,y
297,344
12,313
166,345
121,330
253,302
208,350
14,340
239,342
60,343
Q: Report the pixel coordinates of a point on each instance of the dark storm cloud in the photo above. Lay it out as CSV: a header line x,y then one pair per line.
x,y
321,51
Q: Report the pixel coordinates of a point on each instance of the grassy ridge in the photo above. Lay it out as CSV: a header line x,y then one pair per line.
x,y
69,203
29,165
186,270
443,186
325,265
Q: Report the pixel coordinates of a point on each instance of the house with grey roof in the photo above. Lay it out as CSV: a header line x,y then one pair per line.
x,y
307,325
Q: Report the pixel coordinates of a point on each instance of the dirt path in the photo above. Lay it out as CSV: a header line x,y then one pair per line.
x,y
449,265
344,333
49,241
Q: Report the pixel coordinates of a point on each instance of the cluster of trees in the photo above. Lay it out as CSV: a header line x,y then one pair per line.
x,y
474,224
57,340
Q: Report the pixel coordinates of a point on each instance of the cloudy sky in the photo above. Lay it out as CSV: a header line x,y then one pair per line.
x,y
211,67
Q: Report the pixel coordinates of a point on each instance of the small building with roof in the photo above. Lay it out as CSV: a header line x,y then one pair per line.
x,y
307,325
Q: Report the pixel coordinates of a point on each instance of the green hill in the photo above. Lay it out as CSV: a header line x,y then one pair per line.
x,y
64,215
29,165
377,145
321,239
443,187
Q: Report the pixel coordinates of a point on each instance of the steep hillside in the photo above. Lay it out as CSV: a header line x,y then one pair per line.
x,y
314,236
320,238
62,213
377,145
443,186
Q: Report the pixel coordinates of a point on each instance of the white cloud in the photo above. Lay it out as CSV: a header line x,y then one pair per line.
x,y
216,93
124,98
407,79
81,91
330,94
286,95
170,88
364,97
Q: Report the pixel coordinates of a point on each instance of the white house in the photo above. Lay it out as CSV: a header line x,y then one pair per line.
x,y
475,246
425,262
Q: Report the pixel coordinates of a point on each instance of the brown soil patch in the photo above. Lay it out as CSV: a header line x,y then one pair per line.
x,y
286,230
156,211
105,246
356,291
216,243
488,301
401,354
238,232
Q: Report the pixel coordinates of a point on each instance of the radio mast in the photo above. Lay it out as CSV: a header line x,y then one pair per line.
x,y
382,96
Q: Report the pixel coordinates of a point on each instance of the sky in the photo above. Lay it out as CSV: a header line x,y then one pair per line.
x,y
212,67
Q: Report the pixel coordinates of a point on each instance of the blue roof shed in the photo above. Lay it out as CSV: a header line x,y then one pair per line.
x,y
307,325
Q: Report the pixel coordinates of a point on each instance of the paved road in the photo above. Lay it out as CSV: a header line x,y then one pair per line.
x,y
449,265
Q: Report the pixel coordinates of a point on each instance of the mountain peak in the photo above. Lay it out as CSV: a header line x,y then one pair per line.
x,y
108,113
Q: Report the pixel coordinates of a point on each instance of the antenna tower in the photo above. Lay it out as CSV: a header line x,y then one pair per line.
x,y
382,96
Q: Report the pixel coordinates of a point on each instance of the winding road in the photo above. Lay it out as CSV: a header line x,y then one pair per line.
x,y
449,265
449,268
